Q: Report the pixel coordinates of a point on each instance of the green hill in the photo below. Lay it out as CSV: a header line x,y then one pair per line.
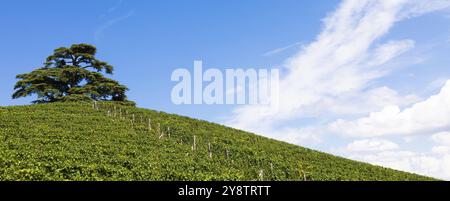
x,y
77,141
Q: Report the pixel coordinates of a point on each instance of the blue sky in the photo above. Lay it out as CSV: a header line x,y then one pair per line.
x,y
147,40
351,68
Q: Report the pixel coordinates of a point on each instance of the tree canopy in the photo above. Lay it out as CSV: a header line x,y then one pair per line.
x,y
71,74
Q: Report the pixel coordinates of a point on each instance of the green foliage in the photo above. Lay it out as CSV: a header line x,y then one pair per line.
x,y
83,141
71,74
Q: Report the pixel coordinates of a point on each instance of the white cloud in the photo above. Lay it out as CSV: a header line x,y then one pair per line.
x,y
101,29
388,51
420,7
112,8
437,84
333,77
388,154
324,78
430,164
435,163
370,145
281,49
429,115
302,136
441,150
442,138
361,102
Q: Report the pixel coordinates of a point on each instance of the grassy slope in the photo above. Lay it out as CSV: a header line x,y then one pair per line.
x,y
73,141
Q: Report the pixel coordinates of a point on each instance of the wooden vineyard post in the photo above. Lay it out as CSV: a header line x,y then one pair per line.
x,y
271,171
261,175
133,119
159,128
149,124
194,145
160,132
209,151
226,154
168,132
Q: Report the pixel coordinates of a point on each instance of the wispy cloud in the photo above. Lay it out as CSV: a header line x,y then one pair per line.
x,y
101,29
334,76
112,9
337,67
281,49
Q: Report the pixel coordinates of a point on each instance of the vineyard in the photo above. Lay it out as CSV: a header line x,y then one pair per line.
x,y
105,141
